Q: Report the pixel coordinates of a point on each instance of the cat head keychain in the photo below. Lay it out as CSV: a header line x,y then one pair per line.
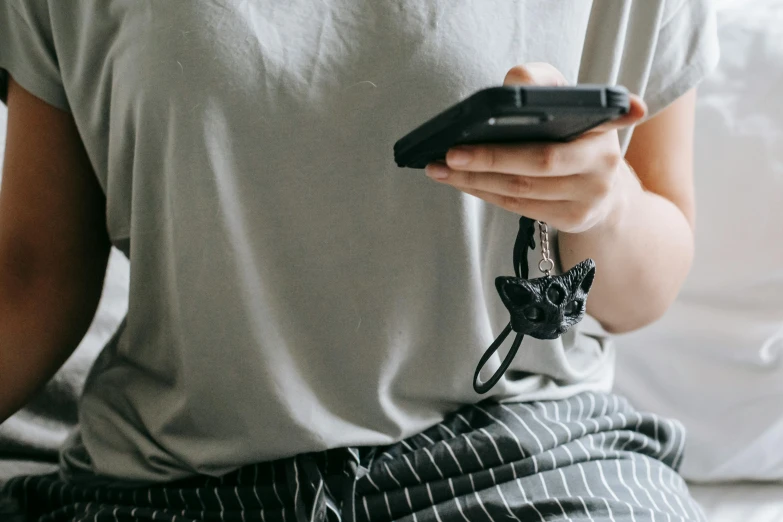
x,y
545,307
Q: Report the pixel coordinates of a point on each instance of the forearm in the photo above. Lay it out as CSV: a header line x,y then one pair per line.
x,y
42,321
643,251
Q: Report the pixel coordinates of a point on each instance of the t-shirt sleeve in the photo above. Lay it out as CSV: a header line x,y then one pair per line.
x,y
27,51
686,51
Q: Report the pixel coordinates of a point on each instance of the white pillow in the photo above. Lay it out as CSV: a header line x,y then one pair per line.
x,y
715,361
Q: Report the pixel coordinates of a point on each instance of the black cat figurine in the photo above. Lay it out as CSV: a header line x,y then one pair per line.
x,y
544,308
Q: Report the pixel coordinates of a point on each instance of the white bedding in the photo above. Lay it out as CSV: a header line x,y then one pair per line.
x,y
741,502
715,360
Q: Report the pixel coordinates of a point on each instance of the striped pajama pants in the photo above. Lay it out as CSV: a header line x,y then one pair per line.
x,y
591,457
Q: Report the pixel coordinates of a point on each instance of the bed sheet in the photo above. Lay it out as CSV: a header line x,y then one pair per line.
x,y
743,502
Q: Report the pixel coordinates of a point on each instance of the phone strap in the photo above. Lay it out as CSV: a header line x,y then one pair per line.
x,y
544,307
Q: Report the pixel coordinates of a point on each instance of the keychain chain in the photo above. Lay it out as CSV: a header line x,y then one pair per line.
x,y
546,265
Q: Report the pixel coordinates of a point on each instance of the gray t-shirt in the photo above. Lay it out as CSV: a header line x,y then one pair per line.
x,y
291,289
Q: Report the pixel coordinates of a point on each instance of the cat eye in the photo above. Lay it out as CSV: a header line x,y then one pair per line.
x,y
534,314
572,308
555,294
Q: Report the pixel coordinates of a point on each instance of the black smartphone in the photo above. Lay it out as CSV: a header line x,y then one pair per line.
x,y
512,114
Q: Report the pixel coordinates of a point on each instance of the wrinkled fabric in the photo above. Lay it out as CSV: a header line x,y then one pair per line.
x,y
590,457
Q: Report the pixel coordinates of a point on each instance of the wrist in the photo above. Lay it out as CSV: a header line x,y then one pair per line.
x,y
623,198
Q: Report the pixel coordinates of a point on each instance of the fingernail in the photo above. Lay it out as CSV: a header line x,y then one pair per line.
x,y
459,157
436,171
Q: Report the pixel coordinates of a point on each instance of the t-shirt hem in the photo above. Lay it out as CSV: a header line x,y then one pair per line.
x,y
25,75
31,82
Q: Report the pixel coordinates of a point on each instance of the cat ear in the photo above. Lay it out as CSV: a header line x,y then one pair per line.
x,y
513,291
587,280
583,275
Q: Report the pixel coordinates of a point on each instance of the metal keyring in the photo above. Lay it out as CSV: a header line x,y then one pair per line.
x,y
546,263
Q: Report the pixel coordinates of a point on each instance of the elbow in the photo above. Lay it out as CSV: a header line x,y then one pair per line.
x,y
34,282
655,289
650,313
653,300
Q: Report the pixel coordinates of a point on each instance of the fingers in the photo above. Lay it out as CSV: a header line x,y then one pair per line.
x,y
537,73
593,153
564,215
560,188
636,113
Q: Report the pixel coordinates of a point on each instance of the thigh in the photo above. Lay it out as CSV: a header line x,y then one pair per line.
x,y
591,457
256,493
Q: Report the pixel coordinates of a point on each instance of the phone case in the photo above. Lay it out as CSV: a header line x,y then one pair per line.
x,y
512,114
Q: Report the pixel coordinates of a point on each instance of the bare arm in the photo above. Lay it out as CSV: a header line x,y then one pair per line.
x,y
645,249
53,246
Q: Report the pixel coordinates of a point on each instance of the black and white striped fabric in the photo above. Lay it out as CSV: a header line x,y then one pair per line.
x,y
588,458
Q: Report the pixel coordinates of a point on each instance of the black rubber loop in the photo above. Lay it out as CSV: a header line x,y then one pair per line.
x,y
524,241
484,387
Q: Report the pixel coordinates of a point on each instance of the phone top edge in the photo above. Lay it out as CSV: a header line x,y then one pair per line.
x,y
498,99
582,95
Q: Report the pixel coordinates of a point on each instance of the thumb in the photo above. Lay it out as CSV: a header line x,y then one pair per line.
x,y
537,73
637,111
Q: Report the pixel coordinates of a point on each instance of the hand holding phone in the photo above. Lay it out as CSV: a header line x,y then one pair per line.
x,y
556,157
